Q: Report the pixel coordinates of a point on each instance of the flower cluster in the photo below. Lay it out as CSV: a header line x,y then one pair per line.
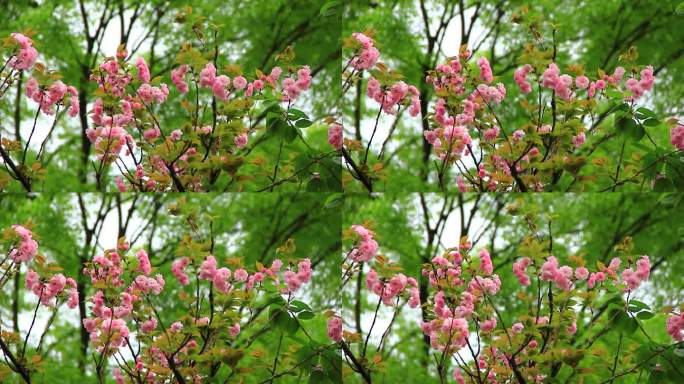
x,y
389,288
122,309
27,247
366,248
335,328
223,279
470,280
565,277
677,137
53,287
27,55
393,95
293,280
366,55
39,279
52,95
385,91
451,138
336,135
125,118
675,326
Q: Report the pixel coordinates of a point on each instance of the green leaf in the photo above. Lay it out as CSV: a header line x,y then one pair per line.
x,y
651,122
639,304
284,130
663,185
334,200
285,322
629,127
317,377
315,185
296,114
646,113
625,324
644,315
298,306
674,169
306,315
330,8
303,123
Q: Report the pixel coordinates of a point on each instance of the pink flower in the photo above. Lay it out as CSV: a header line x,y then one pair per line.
x,y
594,277
177,77
517,327
74,105
176,326
544,129
675,327
150,135
202,321
143,262
335,329
551,78
26,56
581,273
486,262
241,140
120,185
572,329
491,133
176,134
677,137
630,278
221,280
234,329
208,268
414,298
292,281
519,270
149,325
274,75
488,325
240,274
207,76
178,270
582,82
239,82
335,135
634,278
520,75
276,265
579,140
148,284
27,247
461,185
518,135
549,269
365,251
118,378
367,56
143,71
219,87
149,93
458,376
73,298
485,70
643,268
